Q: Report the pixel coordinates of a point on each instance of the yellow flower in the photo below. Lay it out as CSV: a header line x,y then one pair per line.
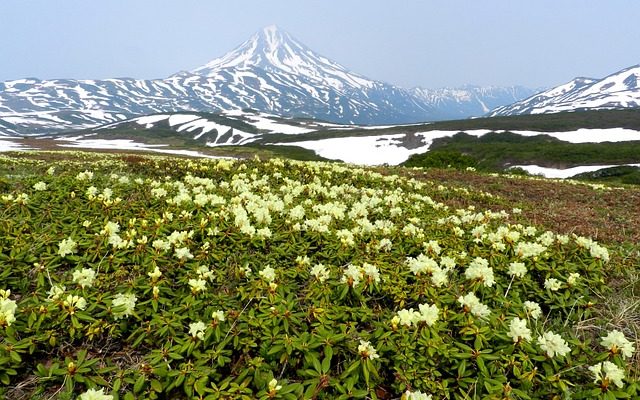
x,y
517,269
553,344
472,304
218,315
552,284
320,272
417,395
616,342
93,394
197,285
428,313
273,386
125,300
7,308
40,186
196,329
67,246
268,274
612,373
533,309
155,274
479,269
367,351
518,330
75,302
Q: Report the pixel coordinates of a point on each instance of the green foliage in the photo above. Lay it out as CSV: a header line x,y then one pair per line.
x,y
496,151
441,159
518,171
622,174
290,152
221,279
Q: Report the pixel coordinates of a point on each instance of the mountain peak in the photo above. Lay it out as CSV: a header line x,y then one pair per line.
x,y
271,31
269,48
273,50
271,37
270,28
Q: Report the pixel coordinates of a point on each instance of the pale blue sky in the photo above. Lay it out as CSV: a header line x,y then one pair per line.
x,y
409,43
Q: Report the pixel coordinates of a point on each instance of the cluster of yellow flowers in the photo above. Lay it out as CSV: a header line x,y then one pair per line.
x,y
468,253
8,308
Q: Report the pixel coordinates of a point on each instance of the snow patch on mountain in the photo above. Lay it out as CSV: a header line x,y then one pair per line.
x,y
266,123
377,150
564,173
6,144
126,144
391,149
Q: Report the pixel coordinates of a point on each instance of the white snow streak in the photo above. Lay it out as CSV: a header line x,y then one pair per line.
x,y
589,135
126,144
387,149
148,121
178,119
7,145
564,173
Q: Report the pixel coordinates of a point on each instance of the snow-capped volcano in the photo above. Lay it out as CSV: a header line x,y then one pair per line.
x,y
618,90
274,50
270,49
271,72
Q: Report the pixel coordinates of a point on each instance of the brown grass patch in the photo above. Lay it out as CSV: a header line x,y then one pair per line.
x,y
609,216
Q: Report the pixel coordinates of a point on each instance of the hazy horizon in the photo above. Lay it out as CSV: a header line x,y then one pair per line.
x,y
415,43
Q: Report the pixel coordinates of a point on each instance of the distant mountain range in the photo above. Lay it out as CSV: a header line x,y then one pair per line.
x,y
275,74
616,91
271,72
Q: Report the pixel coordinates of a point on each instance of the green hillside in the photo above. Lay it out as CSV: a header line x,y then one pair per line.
x,y
559,122
157,277
498,151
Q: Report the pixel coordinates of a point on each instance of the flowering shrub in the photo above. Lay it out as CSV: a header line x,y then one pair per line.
x,y
216,279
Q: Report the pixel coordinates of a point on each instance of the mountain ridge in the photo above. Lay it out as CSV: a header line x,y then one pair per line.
x,y
620,89
270,72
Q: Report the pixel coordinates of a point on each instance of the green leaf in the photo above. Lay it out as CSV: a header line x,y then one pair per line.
x,y
326,364
621,395
15,357
462,368
117,384
201,385
139,385
84,317
316,363
311,390
138,340
82,354
156,385
482,367
365,372
275,349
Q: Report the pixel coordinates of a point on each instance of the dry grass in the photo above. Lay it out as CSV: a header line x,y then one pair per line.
x,y
611,216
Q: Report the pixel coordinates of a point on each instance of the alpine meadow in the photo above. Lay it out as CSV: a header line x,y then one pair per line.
x,y
271,224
